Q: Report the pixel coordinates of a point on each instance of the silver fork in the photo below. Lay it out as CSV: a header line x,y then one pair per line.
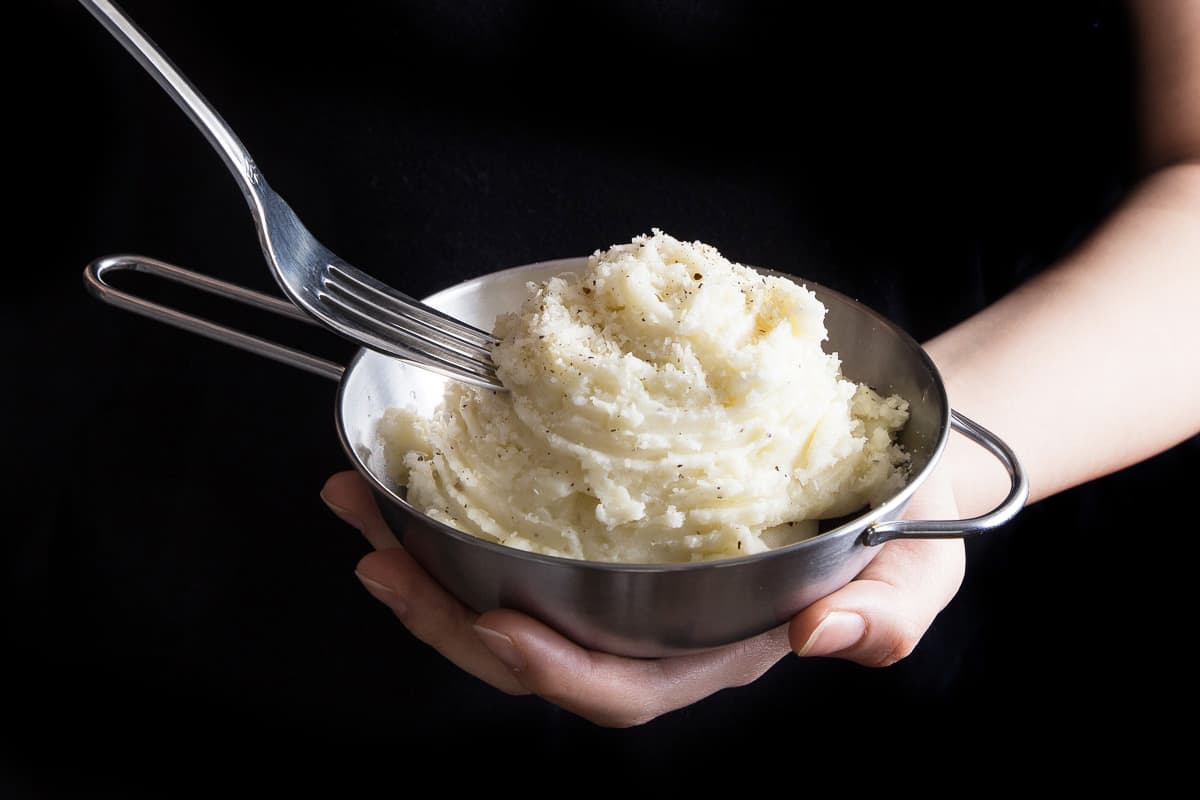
x,y
335,293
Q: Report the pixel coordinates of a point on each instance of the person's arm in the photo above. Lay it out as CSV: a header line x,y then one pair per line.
x,y
1095,364
1088,368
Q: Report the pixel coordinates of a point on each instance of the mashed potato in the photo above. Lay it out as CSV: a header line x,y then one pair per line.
x,y
664,405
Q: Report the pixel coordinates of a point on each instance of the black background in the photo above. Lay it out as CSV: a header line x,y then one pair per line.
x,y
183,604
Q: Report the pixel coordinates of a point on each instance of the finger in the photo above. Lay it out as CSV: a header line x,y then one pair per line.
x,y
349,496
432,615
878,618
392,576
621,692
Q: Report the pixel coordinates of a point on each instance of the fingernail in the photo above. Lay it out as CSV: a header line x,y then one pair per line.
x,y
389,594
838,631
345,514
502,647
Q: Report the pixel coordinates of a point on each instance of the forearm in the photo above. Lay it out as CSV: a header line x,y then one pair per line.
x,y
1095,364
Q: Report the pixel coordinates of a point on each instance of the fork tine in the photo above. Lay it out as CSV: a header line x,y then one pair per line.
x,y
412,346
386,298
435,336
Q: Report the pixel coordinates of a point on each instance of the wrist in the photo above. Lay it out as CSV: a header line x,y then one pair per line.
x,y
977,480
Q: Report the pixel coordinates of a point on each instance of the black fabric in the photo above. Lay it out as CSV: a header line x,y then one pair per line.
x,y
183,604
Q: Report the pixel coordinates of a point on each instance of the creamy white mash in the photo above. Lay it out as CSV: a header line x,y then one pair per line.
x,y
664,405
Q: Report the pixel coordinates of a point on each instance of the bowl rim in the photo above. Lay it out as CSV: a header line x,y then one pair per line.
x,y
856,525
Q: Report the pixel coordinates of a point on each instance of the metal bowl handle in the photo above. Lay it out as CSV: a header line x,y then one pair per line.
x,y
93,281
952,529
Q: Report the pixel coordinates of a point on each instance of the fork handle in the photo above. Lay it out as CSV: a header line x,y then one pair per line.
x,y
206,118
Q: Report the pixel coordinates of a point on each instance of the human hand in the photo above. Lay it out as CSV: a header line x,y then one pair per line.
x,y
875,620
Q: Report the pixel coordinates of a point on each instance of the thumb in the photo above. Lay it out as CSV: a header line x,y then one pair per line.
x,y
879,618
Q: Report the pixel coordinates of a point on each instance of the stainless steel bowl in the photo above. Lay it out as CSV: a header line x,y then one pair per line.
x,y
628,609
